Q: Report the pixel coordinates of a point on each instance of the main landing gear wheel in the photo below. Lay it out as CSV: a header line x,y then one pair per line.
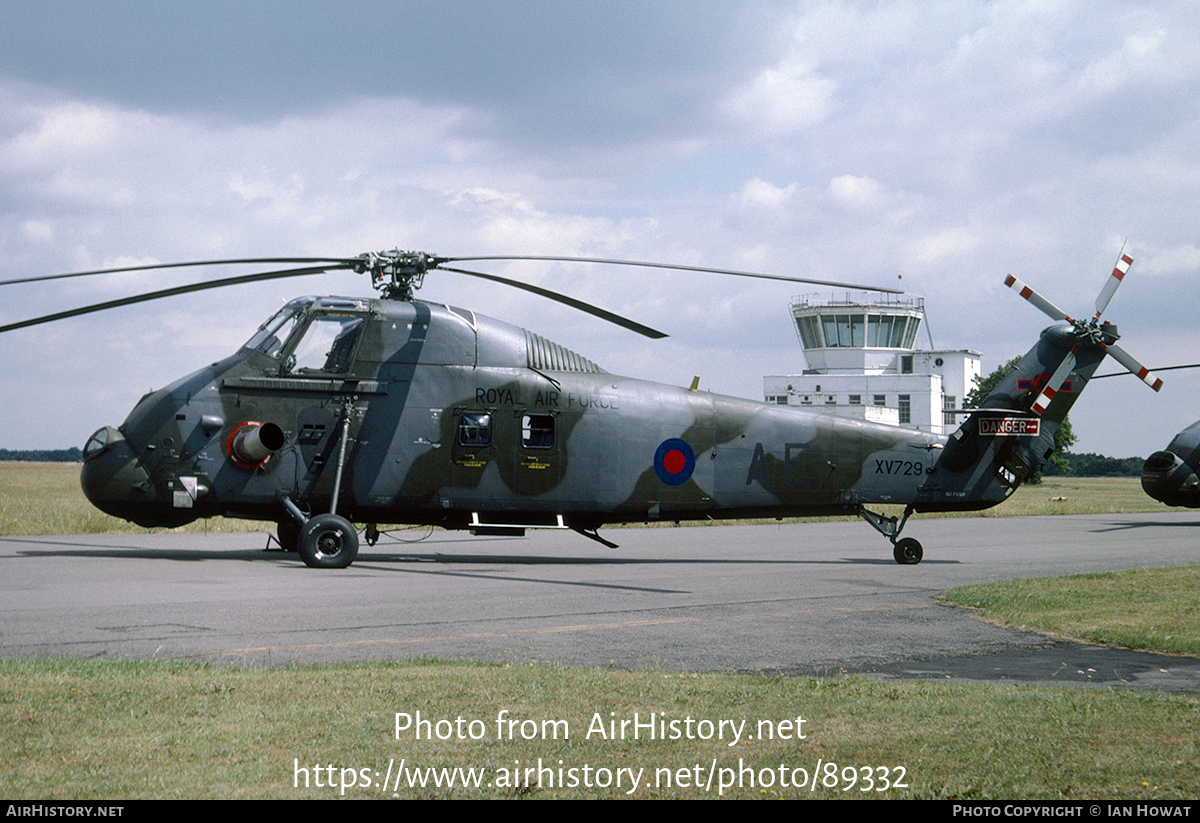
x,y
328,541
908,552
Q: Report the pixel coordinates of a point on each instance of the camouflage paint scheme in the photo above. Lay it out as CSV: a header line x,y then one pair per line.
x,y
454,417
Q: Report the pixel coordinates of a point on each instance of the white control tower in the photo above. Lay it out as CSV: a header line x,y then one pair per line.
x,y
862,361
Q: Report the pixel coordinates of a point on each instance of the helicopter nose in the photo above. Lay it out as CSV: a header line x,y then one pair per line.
x,y
114,479
1168,478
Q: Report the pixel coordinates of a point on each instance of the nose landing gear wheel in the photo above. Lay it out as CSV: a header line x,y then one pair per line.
x,y
328,541
908,552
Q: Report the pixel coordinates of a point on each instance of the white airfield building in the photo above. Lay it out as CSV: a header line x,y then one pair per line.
x,y
862,362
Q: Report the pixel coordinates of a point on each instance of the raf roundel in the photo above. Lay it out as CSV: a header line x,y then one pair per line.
x,y
674,462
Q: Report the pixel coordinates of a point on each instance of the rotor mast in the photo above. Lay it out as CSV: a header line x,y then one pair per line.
x,y
397,274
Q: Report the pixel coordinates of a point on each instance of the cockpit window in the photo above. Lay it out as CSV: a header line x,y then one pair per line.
x,y
327,345
271,336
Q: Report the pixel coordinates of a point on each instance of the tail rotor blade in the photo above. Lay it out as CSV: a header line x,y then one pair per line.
x,y
1110,286
1036,299
1145,375
1054,384
1090,334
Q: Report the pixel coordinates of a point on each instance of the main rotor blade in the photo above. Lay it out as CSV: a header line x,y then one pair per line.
x,y
1156,369
1144,374
151,267
155,295
1110,285
1036,299
623,322
551,258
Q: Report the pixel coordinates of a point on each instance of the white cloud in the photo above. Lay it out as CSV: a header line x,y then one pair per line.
x,y
37,231
949,245
757,193
861,193
782,100
1181,259
1140,57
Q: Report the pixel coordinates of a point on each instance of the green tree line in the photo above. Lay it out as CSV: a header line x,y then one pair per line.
x,y
71,455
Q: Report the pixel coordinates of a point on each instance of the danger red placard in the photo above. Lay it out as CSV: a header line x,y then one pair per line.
x,y
1009,425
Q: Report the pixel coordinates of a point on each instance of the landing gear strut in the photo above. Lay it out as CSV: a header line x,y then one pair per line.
x,y
908,552
326,541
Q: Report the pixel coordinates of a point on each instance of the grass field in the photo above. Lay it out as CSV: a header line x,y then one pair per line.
x,y
75,729
1153,609
72,730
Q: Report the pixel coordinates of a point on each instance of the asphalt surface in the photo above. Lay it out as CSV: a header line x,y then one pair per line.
x,y
794,599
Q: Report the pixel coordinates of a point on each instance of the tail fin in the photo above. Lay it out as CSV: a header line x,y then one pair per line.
x,y
1005,441
1011,435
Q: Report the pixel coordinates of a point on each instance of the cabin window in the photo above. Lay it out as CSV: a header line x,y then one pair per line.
x,y
326,346
270,337
537,431
475,429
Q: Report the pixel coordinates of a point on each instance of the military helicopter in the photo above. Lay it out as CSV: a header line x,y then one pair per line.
x,y
1170,476
395,410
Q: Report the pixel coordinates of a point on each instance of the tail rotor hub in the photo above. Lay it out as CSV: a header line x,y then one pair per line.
x,y
1087,333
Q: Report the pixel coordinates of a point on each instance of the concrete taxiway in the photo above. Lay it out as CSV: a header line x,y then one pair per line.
x,y
797,599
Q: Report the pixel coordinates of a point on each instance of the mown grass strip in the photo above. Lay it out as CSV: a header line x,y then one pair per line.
x,y
120,730
1153,609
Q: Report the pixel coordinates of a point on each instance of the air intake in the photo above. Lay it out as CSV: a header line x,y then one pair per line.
x,y
548,356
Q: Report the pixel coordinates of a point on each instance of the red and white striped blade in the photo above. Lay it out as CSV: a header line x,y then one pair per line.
x,y
1036,299
1125,359
1054,384
1110,286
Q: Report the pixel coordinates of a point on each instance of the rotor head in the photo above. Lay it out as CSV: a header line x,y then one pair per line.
x,y
397,274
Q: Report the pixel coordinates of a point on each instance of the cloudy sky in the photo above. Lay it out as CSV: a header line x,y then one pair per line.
x,y
938,146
